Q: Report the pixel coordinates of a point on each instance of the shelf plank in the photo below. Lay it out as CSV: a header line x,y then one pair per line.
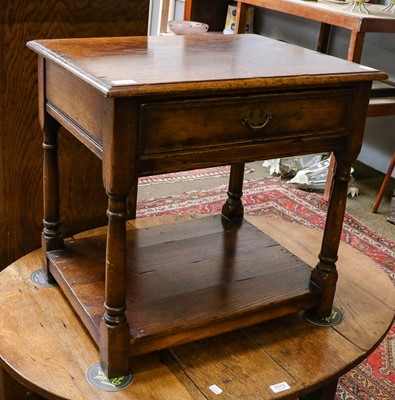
x,y
243,364
177,292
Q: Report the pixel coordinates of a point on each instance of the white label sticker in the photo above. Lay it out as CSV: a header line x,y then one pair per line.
x,y
124,82
280,387
215,389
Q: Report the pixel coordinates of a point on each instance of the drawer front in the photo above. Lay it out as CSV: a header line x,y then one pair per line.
x,y
185,125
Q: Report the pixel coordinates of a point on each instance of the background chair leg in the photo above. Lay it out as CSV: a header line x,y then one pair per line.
x,y
384,185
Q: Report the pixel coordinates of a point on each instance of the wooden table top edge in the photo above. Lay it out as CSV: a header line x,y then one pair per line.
x,y
355,73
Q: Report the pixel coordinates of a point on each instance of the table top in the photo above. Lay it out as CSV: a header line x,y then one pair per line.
x,y
134,66
60,350
334,13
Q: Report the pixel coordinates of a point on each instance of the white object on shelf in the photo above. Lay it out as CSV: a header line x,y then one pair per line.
x,y
230,22
315,177
188,27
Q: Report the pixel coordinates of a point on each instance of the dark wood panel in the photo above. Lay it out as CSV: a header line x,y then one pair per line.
x,y
20,135
275,111
212,13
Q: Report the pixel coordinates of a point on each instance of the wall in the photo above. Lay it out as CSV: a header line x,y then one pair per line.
x,y
156,12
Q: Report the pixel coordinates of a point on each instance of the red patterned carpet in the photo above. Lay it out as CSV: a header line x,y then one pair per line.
x,y
373,379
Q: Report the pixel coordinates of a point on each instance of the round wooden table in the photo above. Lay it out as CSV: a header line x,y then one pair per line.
x,y
44,346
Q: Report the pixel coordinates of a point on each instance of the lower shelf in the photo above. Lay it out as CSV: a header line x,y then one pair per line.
x,y
187,280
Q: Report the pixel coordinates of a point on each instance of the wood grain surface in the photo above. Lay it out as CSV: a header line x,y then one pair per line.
x,y
187,280
243,364
107,91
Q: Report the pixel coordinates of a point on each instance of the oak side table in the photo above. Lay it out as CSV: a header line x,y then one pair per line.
x,y
153,105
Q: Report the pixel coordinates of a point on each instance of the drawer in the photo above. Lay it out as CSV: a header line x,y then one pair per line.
x,y
185,125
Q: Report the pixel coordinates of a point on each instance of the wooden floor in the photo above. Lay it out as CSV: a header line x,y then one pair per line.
x,y
44,345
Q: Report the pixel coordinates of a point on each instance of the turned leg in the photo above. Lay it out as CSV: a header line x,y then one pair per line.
x,y
325,273
120,181
132,202
233,207
114,328
384,184
51,238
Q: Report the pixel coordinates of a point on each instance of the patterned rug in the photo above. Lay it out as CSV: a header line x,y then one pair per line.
x,y
373,379
204,173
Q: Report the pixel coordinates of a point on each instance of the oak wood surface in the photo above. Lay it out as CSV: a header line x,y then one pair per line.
x,y
215,269
20,136
242,363
117,67
102,92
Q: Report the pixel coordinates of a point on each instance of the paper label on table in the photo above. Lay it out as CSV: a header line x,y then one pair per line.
x,y
215,389
280,387
124,82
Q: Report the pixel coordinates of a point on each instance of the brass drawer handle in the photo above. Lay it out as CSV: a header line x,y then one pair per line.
x,y
256,119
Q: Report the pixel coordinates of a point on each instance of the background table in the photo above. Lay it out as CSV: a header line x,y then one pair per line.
x,y
330,14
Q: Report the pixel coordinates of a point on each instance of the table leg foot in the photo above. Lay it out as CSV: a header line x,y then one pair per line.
x,y
98,379
324,275
114,345
334,318
39,277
